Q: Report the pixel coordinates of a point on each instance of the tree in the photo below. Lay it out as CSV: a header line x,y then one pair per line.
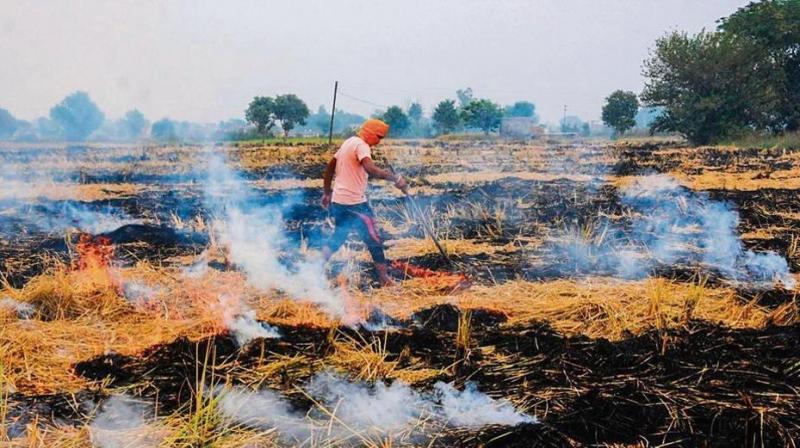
x,y
707,85
445,117
415,112
261,113
8,124
620,110
321,121
290,111
772,26
133,124
572,123
646,116
397,120
464,96
521,109
164,130
482,114
77,116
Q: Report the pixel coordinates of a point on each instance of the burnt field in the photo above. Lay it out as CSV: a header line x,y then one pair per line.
x,y
595,294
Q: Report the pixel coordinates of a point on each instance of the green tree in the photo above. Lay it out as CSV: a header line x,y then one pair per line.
x,y
8,124
261,113
290,111
77,116
482,114
133,124
445,117
321,120
164,130
464,96
521,109
620,109
415,112
774,27
572,123
397,120
707,85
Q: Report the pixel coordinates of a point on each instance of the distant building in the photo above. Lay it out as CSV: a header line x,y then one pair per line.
x,y
520,127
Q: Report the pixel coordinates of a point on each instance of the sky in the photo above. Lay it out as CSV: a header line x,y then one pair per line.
x,y
205,60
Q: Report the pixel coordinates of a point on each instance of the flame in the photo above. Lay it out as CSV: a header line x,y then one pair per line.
x,y
439,280
94,253
93,264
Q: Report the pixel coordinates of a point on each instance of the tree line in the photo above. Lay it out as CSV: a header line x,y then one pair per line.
x,y
290,112
740,79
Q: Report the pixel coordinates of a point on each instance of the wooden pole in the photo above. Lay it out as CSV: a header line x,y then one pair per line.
x,y
333,112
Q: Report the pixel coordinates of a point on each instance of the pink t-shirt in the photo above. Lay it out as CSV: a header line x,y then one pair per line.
x,y
350,186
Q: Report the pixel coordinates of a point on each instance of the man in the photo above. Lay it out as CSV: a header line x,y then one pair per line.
x,y
352,165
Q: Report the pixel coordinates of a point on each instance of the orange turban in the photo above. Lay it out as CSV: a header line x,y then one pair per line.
x,y
373,130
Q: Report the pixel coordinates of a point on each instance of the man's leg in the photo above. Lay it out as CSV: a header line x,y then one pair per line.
x,y
341,229
368,231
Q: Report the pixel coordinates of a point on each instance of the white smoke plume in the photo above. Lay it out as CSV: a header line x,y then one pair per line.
x,y
241,321
21,309
671,224
473,409
138,293
198,268
265,409
253,234
122,422
349,410
23,188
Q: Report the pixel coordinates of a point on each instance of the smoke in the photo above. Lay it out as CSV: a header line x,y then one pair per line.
x,y
347,410
121,422
198,268
264,409
139,293
241,321
65,216
25,181
253,235
21,309
473,409
671,224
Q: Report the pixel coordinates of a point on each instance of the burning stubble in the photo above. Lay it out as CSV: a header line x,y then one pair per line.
x,y
252,233
670,225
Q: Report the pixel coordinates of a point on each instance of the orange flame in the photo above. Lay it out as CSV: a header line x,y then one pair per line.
x,y
94,253
441,280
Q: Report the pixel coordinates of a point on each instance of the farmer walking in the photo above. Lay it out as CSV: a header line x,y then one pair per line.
x,y
351,166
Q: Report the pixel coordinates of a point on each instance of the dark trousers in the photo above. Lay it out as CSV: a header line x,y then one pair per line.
x,y
358,218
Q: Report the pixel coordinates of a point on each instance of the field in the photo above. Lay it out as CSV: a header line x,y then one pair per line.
x,y
636,293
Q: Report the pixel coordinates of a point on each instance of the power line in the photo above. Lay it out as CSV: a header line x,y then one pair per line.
x,y
361,100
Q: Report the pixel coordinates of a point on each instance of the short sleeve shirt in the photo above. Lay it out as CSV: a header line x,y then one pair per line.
x,y
350,183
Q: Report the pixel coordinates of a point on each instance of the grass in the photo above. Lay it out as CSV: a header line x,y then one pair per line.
x,y
789,140
279,140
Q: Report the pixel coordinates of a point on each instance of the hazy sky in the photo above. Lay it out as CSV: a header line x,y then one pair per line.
x,y
205,60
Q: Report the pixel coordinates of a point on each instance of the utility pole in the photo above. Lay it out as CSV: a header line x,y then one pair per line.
x,y
564,120
333,112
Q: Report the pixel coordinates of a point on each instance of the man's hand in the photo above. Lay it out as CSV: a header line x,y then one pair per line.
x,y
326,200
401,184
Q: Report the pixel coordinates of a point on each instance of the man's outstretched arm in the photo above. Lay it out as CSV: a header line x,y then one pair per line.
x,y
380,173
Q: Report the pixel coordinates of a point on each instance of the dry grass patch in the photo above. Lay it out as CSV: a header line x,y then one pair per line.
x,y
596,307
